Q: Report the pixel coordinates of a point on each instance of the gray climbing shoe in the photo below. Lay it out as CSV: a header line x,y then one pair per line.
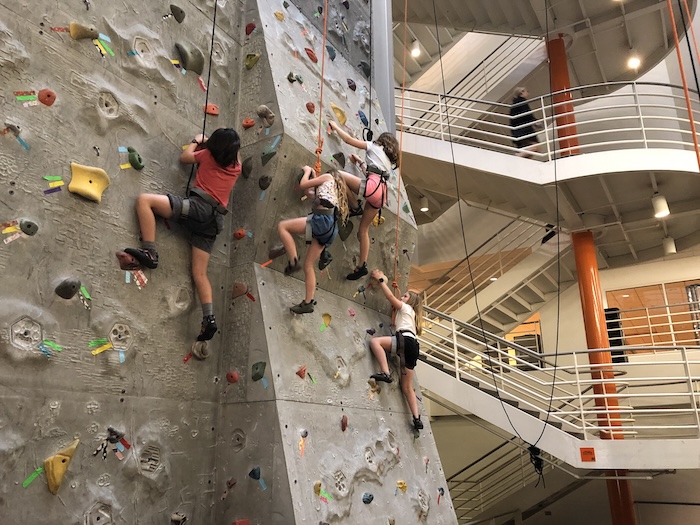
x,y
303,307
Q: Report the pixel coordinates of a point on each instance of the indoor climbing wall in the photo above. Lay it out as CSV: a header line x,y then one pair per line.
x,y
278,425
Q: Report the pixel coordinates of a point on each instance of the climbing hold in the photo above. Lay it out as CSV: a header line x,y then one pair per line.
x,y
79,31
251,59
366,69
367,498
344,423
276,251
285,4
310,107
304,434
279,15
177,518
311,54
191,58
344,230
211,109
265,182
299,79
346,4
258,371
340,158
47,97
178,13
326,319
255,473
291,77
339,114
232,376
239,289
363,117
371,331
266,114
56,466
249,28
267,153
200,350
135,159
88,182
126,261
317,488
28,227
331,52
247,167
68,288
351,84
239,234
302,372
248,123
401,485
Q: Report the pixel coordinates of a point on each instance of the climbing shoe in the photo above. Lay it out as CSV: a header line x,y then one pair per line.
x,y
357,210
417,423
291,267
360,271
382,376
325,260
303,307
147,258
209,328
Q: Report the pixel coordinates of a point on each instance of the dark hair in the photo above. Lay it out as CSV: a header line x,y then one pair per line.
x,y
223,145
390,145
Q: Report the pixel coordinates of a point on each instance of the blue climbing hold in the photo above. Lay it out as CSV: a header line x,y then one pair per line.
x,y
363,117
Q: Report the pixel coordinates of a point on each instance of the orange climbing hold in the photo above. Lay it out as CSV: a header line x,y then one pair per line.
x,y
310,107
211,109
302,372
344,423
312,55
47,97
239,233
248,123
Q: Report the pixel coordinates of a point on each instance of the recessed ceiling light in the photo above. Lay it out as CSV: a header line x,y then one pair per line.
x,y
634,62
626,295
415,50
494,278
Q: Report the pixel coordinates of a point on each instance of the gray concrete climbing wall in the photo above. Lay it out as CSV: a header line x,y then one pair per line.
x,y
193,435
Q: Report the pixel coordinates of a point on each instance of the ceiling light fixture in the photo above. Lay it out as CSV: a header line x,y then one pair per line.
x,y
669,245
424,204
660,205
494,279
634,62
415,49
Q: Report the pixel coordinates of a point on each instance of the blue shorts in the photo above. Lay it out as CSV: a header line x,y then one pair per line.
x,y
323,228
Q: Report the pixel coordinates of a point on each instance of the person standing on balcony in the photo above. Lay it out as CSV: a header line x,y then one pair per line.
x,y
522,123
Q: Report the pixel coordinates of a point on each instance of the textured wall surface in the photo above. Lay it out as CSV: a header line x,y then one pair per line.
x,y
191,438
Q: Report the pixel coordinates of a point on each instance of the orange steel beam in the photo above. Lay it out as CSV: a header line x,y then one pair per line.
x,y
619,490
564,109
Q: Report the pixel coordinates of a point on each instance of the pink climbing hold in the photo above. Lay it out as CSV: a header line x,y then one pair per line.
x,y
351,312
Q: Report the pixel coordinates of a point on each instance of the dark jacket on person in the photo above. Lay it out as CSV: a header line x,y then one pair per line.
x,y
520,114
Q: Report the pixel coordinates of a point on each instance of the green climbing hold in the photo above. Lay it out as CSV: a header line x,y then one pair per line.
x,y
265,182
247,167
251,59
405,208
267,153
258,371
340,159
191,58
331,52
178,13
291,77
135,159
299,79
285,4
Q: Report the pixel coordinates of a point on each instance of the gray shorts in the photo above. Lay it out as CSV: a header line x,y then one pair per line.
x,y
203,223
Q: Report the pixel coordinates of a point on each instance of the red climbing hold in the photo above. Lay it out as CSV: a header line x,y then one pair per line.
x,y
310,107
344,423
211,109
47,97
302,372
232,376
312,55
249,28
248,123
239,233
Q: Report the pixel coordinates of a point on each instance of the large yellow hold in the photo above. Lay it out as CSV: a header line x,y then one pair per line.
x,y
339,114
88,182
56,466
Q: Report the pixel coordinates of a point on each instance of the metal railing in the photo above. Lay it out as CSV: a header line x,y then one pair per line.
x,y
611,116
657,393
653,326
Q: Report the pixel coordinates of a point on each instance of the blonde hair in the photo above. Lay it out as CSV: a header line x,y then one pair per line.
x,y
416,302
341,193
518,92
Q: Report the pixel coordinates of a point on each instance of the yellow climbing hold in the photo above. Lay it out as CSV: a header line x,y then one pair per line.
x,y
251,59
401,485
327,319
79,31
279,15
339,114
88,182
56,466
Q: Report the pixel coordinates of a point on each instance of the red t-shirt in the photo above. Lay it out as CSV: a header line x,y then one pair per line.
x,y
212,178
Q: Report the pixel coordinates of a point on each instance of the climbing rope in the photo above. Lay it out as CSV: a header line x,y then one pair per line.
x,y
319,145
687,39
367,131
206,98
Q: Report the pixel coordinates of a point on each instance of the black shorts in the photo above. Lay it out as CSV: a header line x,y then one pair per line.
x,y
411,349
202,222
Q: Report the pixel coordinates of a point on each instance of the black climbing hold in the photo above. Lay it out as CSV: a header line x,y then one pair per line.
x,y
178,13
265,182
340,158
258,373
68,288
351,84
367,498
344,230
304,434
255,473
28,227
114,435
135,159
319,10
346,4
267,154
363,117
247,167
191,58
331,52
291,77
285,4
366,69
376,121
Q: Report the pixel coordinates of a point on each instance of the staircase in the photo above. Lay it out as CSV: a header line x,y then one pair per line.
x,y
550,398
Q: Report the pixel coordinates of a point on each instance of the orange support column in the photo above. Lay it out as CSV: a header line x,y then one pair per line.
x,y
619,490
564,109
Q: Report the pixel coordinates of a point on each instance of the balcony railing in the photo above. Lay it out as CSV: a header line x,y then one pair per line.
x,y
634,115
656,326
